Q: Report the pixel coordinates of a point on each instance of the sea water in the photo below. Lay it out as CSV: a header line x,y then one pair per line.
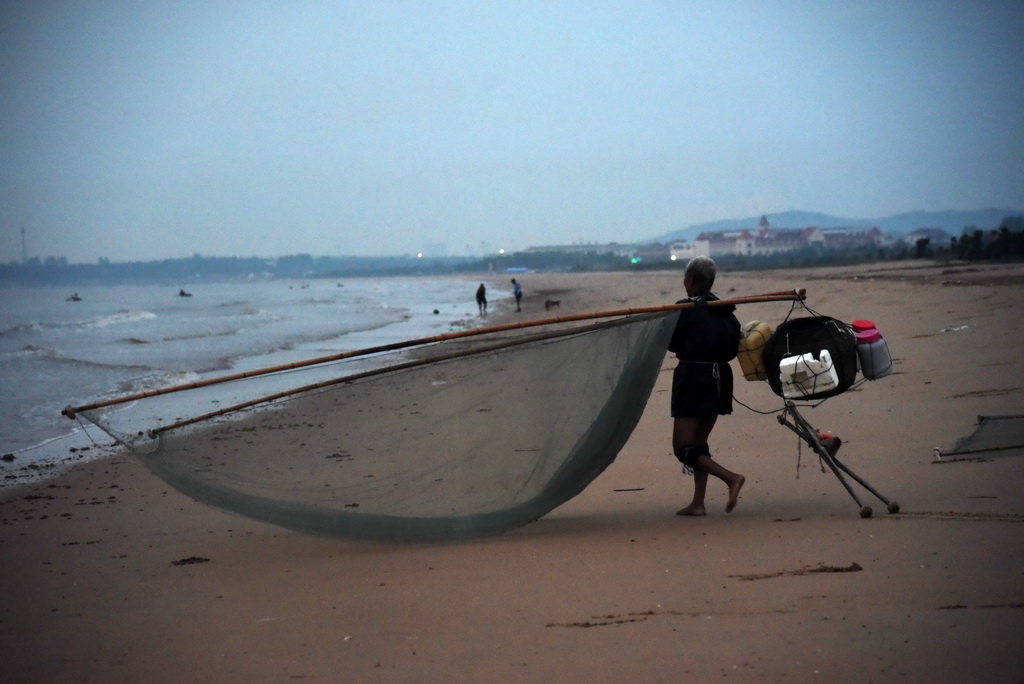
x,y
123,339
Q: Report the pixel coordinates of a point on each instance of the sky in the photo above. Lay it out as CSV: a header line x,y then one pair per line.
x,y
136,131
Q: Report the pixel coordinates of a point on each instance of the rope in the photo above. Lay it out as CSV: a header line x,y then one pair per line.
x,y
758,411
85,429
799,454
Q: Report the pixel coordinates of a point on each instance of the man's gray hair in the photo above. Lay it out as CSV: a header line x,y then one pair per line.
x,y
701,270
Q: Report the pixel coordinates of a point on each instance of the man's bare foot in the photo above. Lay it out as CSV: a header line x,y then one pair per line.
x,y
734,492
692,509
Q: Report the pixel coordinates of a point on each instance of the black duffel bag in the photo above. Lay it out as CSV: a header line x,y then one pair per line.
x,y
812,335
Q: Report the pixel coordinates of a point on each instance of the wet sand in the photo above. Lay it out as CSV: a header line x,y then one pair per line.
x,y
111,575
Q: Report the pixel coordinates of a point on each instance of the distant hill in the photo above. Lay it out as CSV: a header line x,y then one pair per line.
x,y
953,222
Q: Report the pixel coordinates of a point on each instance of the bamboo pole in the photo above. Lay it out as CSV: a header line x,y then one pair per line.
x,y
782,295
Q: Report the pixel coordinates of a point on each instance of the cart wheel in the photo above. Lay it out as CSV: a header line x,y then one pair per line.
x,y
865,512
894,507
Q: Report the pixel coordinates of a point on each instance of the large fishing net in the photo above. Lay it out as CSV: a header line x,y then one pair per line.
x,y
992,436
454,441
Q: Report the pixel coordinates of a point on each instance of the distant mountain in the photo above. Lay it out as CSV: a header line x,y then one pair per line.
x,y
953,222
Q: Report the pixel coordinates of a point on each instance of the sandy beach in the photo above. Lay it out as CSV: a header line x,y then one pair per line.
x,y
111,575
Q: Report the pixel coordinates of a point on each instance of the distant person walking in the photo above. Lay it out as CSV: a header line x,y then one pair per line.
x,y
481,299
518,289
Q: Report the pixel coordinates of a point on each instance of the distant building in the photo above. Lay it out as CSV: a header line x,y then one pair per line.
x,y
761,241
788,239
727,242
766,240
683,251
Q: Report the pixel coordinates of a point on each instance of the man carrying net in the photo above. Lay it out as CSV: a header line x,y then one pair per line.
x,y
705,340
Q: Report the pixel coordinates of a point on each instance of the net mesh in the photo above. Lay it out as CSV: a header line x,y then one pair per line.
x,y
474,439
993,435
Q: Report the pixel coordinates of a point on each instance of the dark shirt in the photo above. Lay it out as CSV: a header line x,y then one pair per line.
x,y
706,334
705,340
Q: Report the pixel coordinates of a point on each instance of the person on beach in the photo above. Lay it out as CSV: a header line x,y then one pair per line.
x,y
518,290
481,299
705,340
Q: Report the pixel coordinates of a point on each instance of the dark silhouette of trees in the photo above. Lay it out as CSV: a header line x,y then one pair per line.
x,y
1004,243
921,248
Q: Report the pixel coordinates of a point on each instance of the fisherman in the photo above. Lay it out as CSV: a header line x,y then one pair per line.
x,y
518,290
705,340
481,299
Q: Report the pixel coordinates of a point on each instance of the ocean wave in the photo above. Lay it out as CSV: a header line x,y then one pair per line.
x,y
250,311
84,363
30,326
190,337
30,352
244,307
27,353
119,318
199,335
157,380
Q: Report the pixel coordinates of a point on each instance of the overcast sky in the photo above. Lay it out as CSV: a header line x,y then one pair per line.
x,y
146,130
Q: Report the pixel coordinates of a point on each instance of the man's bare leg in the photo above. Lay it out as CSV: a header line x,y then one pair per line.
x,y
708,466
700,486
686,431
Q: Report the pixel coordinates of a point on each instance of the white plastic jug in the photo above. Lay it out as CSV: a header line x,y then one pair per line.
x,y
805,375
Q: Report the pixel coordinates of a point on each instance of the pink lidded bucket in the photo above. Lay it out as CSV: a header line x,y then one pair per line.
x,y
872,351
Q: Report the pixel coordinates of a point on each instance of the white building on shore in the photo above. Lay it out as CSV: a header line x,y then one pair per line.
x,y
766,241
